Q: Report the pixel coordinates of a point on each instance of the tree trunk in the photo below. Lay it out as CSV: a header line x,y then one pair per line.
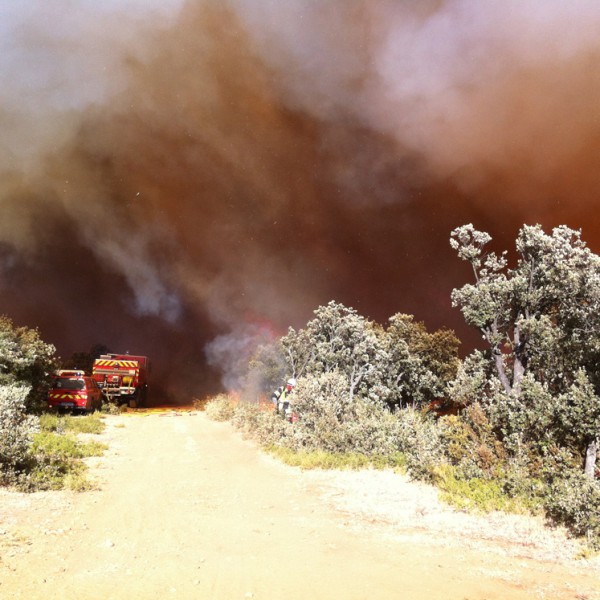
x,y
499,360
590,459
518,372
518,366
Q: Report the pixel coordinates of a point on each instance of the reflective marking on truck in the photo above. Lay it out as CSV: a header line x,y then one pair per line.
x,y
117,363
54,396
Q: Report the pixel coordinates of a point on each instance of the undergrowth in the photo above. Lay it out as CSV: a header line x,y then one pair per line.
x,y
55,454
322,459
60,423
478,494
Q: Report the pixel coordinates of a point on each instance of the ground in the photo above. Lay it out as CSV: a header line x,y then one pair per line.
x,y
187,509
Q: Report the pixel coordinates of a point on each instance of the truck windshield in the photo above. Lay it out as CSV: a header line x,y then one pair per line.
x,y
63,383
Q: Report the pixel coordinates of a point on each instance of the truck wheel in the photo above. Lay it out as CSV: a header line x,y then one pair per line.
x,y
135,401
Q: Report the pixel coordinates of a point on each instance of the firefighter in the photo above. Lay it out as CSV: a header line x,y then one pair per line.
x,y
275,398
283,404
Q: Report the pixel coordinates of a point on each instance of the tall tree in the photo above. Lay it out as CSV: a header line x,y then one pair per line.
x,y
541,321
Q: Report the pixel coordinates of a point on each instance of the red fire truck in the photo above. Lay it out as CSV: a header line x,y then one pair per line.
x,y
123,378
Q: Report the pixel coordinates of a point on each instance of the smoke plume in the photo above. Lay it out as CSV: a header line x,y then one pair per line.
x,y
178,177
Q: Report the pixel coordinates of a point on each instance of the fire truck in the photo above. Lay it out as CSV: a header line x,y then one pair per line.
x,y
123,378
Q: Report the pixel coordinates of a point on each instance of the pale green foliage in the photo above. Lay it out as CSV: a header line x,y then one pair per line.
x,y
321,459
16,430
338,340
24,357
420,364
419,438
578,410
479,494
575,501
539,383
328,419
62,423
474,380
398,365
56,462
541,320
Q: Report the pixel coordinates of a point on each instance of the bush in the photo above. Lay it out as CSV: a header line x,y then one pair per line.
x,y
88,424
330,420
57,462
25,359
470,443
419,439
50,446
575,502
320,459
480,493
246,417
220,408
52,422
272,430
16,432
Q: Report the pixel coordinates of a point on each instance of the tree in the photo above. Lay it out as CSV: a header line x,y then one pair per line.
x,y
84,361
541,322
339,340
420,364
25,358
398,365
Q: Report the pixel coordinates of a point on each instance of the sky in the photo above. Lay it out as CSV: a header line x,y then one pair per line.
x,y
185,178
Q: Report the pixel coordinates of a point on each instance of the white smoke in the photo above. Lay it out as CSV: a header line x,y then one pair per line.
x,y
231,352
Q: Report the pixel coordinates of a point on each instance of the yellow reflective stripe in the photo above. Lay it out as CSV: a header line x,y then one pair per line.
x,y
116,363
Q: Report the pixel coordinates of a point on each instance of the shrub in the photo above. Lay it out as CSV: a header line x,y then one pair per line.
x,y
246,417
272,430
56,462
112,408
330,420
51,446
470,443
52,422
420,440
321,459
220,408
479,493
575,502
16,431
25,359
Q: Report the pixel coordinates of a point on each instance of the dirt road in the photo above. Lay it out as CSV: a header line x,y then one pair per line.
x,y
187,509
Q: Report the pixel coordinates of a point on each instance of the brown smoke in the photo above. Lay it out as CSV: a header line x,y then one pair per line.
x,y
179,176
